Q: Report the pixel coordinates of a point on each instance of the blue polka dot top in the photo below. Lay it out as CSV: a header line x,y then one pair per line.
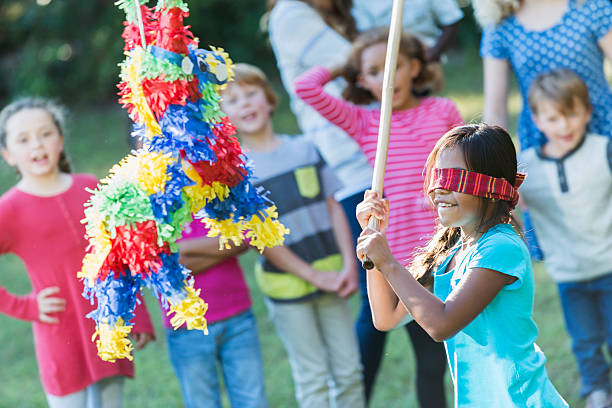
x,y
571,43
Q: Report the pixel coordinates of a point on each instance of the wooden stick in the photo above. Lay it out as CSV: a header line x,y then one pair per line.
x,y
395,33
141,26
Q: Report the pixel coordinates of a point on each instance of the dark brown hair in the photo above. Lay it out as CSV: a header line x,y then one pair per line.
x,y
562,87
410,46
339,18
55,110
488,150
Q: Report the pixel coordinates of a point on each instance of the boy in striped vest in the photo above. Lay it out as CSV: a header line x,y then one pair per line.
x,y
308,280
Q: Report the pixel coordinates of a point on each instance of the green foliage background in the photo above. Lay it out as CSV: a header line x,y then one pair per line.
x,y
70,48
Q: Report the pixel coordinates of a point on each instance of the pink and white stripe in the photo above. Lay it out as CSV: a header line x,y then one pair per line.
x,y
413,134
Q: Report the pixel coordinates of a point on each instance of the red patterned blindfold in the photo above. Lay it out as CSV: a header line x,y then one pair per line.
x,y
477,184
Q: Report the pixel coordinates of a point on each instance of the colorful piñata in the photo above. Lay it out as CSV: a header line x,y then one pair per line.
x,y
190,163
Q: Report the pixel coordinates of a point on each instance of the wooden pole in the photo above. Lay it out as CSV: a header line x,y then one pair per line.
x,y
141,26
395,33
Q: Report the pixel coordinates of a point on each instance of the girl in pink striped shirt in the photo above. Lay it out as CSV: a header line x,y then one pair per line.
x,y
416,125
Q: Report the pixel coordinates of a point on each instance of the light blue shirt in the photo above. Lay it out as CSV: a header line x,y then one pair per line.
x,y
494,361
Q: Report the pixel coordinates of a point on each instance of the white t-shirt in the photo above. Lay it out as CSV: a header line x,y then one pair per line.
x,y
421,17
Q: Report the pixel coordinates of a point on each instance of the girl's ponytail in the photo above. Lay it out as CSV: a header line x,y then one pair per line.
x,y
488,150
64,163
437,249
491,12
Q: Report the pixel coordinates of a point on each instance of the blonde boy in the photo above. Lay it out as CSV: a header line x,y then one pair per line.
x,y
568,194
308,280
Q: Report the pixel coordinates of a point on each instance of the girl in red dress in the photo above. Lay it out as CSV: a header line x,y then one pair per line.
x,y
40,219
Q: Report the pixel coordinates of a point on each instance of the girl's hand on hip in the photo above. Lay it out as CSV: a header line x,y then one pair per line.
x,y
374,244
48,305
373,206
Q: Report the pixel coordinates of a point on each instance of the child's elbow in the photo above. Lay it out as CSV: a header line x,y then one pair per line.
x,y
381,325
386,322
440,334
299,87
438,337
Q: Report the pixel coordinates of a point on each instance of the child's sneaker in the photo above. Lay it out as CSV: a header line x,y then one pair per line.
x,y
598,399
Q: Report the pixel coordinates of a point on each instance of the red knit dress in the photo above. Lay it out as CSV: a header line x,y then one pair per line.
x,y
46,233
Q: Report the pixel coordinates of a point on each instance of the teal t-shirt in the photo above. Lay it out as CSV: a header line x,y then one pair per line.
x,y
494,361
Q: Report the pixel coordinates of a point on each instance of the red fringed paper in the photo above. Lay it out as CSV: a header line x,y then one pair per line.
x,y
131,32
229,167
171,34
160,94
135,249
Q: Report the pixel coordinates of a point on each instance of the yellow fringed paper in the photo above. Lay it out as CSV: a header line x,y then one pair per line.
x,y
131,76
151,174
228,65
112,342
262,233
199,195
190,311
266,233
92,262
125,170
227,230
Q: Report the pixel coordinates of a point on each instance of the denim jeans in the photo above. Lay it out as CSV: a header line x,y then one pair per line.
x,y
430,356
587,308
322,347
232,344
532,240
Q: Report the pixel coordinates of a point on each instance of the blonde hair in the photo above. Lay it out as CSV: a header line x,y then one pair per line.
x,y
251,75
563,87
493,11
410,47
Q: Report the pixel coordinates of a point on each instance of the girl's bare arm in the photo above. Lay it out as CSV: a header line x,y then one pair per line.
x,y
391,288
442,320
496,79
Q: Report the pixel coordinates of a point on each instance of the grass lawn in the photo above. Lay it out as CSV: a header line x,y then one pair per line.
x,y
98,139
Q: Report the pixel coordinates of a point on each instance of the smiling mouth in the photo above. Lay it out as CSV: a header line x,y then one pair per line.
x,y
40,159
250,116
445,205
